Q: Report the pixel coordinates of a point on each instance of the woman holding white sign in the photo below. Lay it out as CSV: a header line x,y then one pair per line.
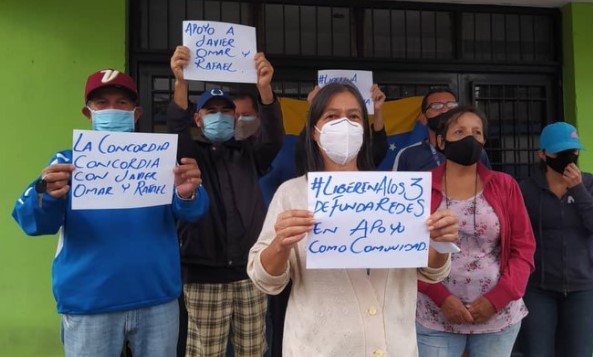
x,y
478,307
339,312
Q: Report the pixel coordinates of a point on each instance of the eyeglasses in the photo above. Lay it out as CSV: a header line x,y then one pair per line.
x,y
441,105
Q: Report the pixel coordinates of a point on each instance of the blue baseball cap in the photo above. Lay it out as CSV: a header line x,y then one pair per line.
x,y
214,93
559,136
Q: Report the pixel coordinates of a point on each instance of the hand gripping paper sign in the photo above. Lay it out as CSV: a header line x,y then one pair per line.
x,y
368,220
220,52
362,80
115,170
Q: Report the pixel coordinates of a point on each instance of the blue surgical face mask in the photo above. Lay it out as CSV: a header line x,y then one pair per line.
x,y
112,120
218,127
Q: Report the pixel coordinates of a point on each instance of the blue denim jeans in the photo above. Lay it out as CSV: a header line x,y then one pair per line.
x,y
432,343
557,324
150,331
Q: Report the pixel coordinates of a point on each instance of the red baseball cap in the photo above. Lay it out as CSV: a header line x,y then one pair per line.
x,y
110,78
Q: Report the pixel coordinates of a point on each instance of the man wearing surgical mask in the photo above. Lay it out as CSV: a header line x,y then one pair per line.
x,y
115,274
111,107
215,115
423,155
246,113
218,293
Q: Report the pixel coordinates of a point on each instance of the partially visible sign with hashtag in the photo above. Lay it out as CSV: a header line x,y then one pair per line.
x,y
368,219
362,80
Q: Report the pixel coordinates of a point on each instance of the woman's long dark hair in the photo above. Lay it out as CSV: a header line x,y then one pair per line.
x,y
307,152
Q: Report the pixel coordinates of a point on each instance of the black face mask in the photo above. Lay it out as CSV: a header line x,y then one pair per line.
x,y
563,159
464,152
434,123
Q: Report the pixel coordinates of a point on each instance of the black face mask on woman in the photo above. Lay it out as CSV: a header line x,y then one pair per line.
x,y
563,159
464,152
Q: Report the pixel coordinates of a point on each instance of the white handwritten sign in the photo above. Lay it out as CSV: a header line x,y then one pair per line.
x,y
363,80
220,51
368,219
122,170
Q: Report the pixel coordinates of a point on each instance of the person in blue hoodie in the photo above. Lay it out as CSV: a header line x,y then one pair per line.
x,y
116,273
559,296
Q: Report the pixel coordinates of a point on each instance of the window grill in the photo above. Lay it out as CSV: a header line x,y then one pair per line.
x,y
394,33
410,47
489,37
382,31
159,21
516,115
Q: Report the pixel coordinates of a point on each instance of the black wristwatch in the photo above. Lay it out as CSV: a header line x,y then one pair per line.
x,y
40,186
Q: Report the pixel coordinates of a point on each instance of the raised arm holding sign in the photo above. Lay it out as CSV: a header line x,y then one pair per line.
x,y
231,172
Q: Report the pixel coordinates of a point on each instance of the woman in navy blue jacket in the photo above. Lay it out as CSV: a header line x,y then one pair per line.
x,y
559,296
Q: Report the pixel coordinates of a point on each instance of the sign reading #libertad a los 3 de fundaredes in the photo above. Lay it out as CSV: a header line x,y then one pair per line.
x,y
368,219
220,51
122,170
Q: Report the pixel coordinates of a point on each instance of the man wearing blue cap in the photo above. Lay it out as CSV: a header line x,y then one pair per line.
x,y
559,295
218,293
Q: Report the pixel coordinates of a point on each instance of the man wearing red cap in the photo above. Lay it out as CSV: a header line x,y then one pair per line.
x,y
116,272
219,296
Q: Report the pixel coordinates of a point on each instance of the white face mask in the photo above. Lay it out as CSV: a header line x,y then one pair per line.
x,y
341,139
246,126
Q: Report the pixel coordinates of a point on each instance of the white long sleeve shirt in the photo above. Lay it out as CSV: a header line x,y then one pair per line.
x,y
339,312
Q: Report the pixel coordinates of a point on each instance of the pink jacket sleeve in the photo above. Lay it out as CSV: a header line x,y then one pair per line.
x,y
436,292
517,254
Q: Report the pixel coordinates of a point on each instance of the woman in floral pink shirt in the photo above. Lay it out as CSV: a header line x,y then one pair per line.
x,y
478,308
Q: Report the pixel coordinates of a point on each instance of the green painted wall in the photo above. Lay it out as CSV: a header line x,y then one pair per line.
x,y
48,50
578,74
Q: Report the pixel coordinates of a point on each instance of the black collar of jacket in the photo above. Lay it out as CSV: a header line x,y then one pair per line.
x,y
539,178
